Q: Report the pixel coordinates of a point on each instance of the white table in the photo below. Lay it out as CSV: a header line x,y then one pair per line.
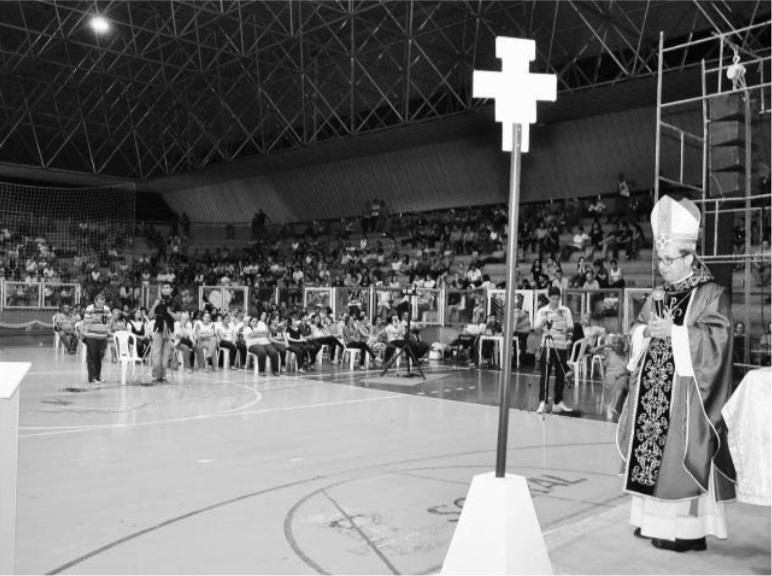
x,y
750,436
11,375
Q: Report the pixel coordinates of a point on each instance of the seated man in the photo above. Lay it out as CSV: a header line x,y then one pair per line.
x,y
64,324
580,242
616,278
466,339
399,337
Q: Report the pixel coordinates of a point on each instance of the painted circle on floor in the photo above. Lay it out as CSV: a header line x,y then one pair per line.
x,y
345,527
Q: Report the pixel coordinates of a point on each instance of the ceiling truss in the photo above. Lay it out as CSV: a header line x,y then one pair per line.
x,y
180,85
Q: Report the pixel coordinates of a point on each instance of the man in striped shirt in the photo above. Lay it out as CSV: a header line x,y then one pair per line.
x,y
555,323
96,330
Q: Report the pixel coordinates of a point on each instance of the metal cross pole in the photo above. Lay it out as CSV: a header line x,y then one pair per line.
x,y
516,91
509,298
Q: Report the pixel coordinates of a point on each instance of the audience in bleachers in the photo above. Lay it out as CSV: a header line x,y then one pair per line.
x,y
561,243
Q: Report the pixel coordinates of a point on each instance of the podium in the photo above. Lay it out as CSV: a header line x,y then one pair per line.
x,y
13,373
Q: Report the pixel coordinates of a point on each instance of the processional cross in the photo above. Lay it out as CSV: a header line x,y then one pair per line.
x,y
498,531
515,90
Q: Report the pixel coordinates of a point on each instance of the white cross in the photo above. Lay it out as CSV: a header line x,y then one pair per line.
x,y
515,89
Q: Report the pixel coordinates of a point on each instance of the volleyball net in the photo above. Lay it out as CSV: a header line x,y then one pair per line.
x,y
60,246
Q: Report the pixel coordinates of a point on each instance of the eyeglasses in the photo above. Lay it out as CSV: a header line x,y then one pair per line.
x,y
669,261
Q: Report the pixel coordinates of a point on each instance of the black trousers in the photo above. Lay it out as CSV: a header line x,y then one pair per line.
x,y
302,353
233,348
557,363
329,341
364,347
417,347
305,351
95,351
263,351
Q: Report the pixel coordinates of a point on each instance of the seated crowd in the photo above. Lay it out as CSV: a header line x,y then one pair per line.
x,y
167,334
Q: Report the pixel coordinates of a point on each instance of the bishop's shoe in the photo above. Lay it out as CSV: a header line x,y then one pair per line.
x,y
696,545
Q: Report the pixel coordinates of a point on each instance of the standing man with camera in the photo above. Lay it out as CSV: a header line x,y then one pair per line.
x,y
165,311
555,323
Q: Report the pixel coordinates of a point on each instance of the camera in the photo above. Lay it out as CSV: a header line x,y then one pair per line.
x,y
548,324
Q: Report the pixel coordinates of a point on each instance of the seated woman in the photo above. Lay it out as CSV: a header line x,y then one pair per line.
x,y
183,341
226,331
353,338
204,338
279,340
296,340
258,342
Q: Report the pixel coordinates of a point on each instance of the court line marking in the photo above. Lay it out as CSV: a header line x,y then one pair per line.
x,y
289,518
174,520
372,545
71,429
370,469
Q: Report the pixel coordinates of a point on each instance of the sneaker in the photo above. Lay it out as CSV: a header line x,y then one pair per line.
x,y
541,408
302,370
561,407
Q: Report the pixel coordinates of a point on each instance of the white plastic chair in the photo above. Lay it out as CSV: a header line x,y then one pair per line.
x,y
291,360
598,357
226,353
226,361
579,351
353,355
324,350
126,350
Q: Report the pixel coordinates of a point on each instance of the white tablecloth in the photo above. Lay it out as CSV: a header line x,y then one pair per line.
x,y
747,416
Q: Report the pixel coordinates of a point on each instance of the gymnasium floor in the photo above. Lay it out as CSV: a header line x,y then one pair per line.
x,y
333,473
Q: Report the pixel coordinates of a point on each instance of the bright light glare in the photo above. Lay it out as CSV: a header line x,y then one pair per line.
x,y
99,24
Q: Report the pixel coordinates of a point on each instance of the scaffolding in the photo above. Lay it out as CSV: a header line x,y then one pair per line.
x,y
738,185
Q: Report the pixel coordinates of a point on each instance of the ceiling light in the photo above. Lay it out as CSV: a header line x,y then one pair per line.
x,y
99,24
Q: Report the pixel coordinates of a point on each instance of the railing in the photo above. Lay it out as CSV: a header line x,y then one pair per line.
x,y
38,295
613,309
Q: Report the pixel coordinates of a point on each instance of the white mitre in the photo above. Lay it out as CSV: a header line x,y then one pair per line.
x,y
675,223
